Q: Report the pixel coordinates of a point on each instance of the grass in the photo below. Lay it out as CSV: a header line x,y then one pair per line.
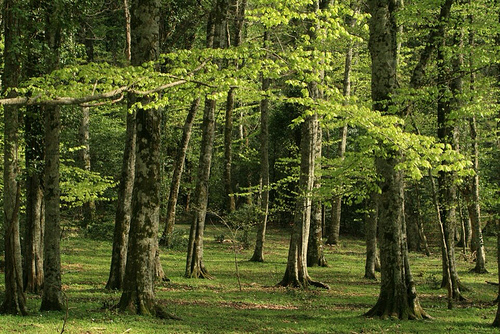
x,y
218,306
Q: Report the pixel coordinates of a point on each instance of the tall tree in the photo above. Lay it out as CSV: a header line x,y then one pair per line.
x,y
124,202
15,300
34,158
195,268
258,253
138,295
52,296
398,296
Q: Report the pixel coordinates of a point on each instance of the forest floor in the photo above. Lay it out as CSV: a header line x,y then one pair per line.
x,y
221,306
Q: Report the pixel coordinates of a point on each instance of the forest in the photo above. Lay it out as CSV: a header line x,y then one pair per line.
x,y
324,151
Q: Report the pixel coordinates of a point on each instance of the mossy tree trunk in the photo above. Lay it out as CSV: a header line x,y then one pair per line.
x,y
15,300
398,297
138,296
52,296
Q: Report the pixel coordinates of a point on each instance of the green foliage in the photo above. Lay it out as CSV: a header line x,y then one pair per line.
x,y
79,186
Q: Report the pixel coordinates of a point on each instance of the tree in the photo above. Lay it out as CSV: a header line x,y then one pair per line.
x,y
138,295
195,268
52,296
15,300
398,296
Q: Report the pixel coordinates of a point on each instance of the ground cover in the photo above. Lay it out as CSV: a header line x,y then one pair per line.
x,y
219,306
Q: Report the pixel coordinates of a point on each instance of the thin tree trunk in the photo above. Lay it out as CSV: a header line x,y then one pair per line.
x,y
35,215
496,322
446,187
228,155
15,300
124,209
315,254
177,174
473,205
258,253
371,221
195,268
89,206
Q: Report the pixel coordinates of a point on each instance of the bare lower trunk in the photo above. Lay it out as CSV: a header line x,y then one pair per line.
x,y
228,155
138,295
123,209
35,215
52,297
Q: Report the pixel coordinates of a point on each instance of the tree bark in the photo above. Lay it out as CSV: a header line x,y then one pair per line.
x,y
52,296
177,174
15,300
35,214
398,297
315,254
138,295
124,209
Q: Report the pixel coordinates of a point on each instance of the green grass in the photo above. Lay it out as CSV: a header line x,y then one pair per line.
x,y
218,306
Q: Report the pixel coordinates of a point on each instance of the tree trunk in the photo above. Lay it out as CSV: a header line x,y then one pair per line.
x,y
138,295
398,297
84,153
195,267
371,221
446,188
177,174
296,274
258,253
52,296
15,300
35,215
473,205
124,209
315,254
228,155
